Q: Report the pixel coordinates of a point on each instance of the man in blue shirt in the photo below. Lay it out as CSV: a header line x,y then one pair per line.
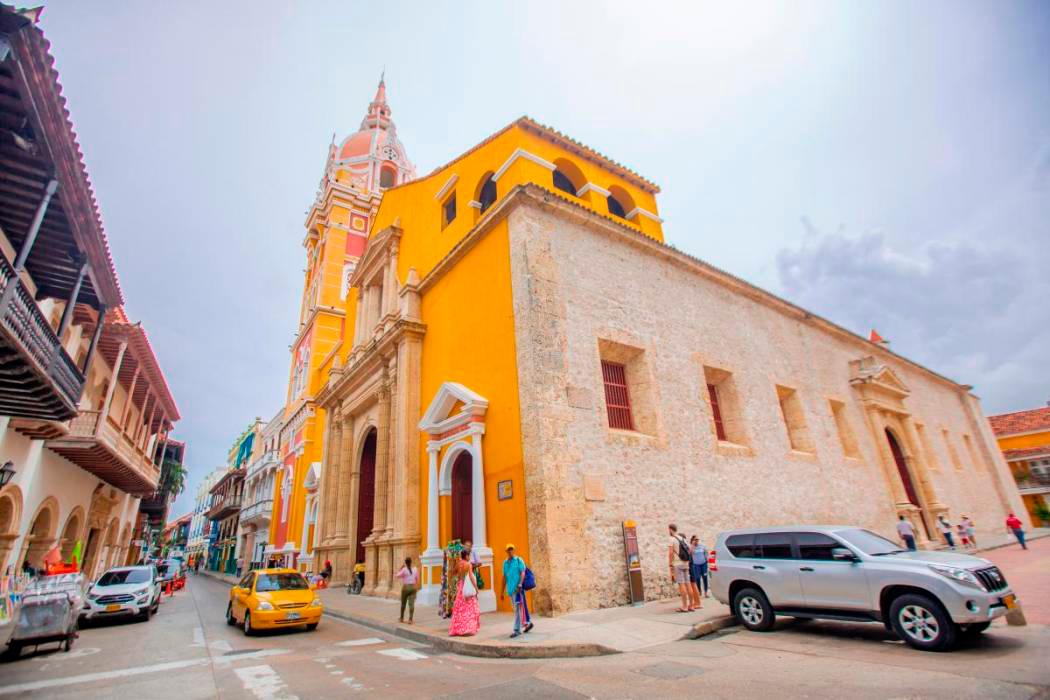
x,y
513,578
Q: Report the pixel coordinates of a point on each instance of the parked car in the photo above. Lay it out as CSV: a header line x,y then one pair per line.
x,y
929,599
271,598
125,590
171,571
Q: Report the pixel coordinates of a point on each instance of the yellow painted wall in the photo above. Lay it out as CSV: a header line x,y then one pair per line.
x,y
470,340
1020,442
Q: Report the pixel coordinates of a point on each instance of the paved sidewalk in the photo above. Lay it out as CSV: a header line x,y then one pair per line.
x,y
990,542
585,633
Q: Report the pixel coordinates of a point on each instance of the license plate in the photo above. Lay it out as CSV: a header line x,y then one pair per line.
x,y
1010,601
112,608
291,616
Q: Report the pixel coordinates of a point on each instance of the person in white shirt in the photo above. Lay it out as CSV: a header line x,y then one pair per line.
x,y
906,532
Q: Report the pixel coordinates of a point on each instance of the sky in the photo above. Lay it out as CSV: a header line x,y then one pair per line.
x,y
885,165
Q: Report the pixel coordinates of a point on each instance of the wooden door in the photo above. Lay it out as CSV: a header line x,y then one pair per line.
x,y
462,497
366,495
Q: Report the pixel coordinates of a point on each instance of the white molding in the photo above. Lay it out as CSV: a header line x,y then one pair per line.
x,y
522,153
638,211
437,420
590,186
448,186
474,204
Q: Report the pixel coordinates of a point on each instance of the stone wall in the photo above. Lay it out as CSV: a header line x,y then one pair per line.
x,y
582,286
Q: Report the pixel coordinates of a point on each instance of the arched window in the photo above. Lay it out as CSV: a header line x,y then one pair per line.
x,y
487,193
620,202
387,177
567,177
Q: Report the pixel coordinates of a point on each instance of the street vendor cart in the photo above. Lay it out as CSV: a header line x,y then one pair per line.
x,y
50,609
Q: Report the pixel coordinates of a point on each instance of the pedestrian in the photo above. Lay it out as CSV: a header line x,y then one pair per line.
x,y
971,530
466,615
326,572
1014,525
197,565
698,570
475,562
964,539
946,531
514,586
678,559
409,578
906,532
359,574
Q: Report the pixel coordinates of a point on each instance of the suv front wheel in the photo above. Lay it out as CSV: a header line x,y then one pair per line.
x,y
922,623
753,610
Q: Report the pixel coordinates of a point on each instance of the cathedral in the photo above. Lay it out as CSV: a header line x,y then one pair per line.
x,y
505,350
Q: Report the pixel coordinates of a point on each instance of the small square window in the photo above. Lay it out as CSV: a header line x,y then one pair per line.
x,y
795,420
617,396
448,210
726,413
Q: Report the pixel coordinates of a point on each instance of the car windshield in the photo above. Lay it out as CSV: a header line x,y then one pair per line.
x,y
868,542
280,582
119,578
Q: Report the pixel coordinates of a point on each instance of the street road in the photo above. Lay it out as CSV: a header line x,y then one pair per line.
x,y
187,651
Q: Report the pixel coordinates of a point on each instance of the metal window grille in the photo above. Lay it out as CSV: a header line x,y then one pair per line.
x,y
617,398
720,431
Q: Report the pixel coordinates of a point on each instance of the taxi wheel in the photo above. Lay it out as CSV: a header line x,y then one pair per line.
x,y
312,626
230,619
248,630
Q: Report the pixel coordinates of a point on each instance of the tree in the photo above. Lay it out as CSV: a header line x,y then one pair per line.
x,y
172,477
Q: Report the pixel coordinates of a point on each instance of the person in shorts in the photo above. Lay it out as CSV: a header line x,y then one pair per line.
x,y
679,566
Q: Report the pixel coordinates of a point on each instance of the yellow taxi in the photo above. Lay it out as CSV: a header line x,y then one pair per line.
x,y
271,598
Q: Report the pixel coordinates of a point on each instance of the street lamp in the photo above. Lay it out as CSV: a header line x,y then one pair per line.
x,y
7,472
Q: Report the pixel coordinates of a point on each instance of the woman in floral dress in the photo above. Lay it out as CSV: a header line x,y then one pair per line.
x,y
466,615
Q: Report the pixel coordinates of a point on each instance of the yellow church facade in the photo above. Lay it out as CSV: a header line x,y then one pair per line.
x,y
522,359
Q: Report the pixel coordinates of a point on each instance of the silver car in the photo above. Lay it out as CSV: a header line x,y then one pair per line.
x,y
930,599
125,590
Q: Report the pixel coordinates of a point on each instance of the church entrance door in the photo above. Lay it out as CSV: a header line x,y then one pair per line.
x,y
462,497
905,474
366,498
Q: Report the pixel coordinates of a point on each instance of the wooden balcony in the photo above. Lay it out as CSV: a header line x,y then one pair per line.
x,y
223,506
102,448
38,380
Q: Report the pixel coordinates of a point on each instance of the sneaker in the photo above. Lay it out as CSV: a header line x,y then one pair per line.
x,y
528,627
515,634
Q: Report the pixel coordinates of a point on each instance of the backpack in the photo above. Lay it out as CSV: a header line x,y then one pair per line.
x,y
683,550
530,580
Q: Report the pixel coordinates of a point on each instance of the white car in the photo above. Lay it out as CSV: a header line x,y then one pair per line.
x,y
126,590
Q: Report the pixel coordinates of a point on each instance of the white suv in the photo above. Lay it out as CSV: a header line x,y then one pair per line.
x,y
126,590
929,599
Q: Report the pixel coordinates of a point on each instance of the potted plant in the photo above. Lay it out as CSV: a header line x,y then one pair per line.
x,y
1042,512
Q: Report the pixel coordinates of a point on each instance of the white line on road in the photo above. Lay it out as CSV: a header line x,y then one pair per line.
x,y
101,676
198,637
261,654
220,645
360,642
403,654
264,683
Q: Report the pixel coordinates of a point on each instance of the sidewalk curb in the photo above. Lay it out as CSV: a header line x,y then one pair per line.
x,y
568,650
1027,539
702,629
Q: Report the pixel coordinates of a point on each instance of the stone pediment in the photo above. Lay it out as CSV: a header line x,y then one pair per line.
x,y
453,406
876,378
313,477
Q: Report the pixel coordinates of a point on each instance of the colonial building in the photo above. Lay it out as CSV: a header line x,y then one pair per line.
x,y
257,508
1024,438
356,172
227,496
521,358
200,525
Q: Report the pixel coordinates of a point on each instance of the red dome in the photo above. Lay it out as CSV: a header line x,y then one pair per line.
x,y
358,144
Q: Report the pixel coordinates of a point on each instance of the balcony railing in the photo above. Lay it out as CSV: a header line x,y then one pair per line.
x,y
266,459
102,448
224,505
28,331
259,509
1034,482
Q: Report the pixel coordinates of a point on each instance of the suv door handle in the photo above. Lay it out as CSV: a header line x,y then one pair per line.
x,y
806,568
758,566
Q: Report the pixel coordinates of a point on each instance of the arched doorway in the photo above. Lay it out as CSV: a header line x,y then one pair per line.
x,y
462,497
10,515
70,533
366,494
905,474
41,533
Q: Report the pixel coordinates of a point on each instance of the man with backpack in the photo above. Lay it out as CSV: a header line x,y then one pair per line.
x,y
515,585
679,557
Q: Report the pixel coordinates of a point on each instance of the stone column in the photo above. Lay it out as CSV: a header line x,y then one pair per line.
x,y
486,597
330,476
383,565
346,507
359,322
918,456
889,465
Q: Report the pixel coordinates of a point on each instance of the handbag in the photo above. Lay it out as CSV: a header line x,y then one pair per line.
x,y
530,580
469,589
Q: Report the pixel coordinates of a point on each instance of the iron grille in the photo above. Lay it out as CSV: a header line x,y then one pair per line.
x,y
617,399
121,598
991,578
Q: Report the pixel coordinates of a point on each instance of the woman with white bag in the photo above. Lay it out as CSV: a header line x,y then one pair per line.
x,y
466,615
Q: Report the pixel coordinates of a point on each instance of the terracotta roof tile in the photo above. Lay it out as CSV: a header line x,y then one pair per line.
x,y
1021,421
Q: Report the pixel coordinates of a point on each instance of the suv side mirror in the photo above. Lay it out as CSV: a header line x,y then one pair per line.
x,y
843,554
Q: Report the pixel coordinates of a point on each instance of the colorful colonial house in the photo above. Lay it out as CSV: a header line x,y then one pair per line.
x,y
518,357
1024,438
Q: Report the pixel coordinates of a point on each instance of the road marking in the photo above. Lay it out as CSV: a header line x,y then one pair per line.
x,y
220,645
360,642
198,637
403,654
261,654
100,676
264,683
